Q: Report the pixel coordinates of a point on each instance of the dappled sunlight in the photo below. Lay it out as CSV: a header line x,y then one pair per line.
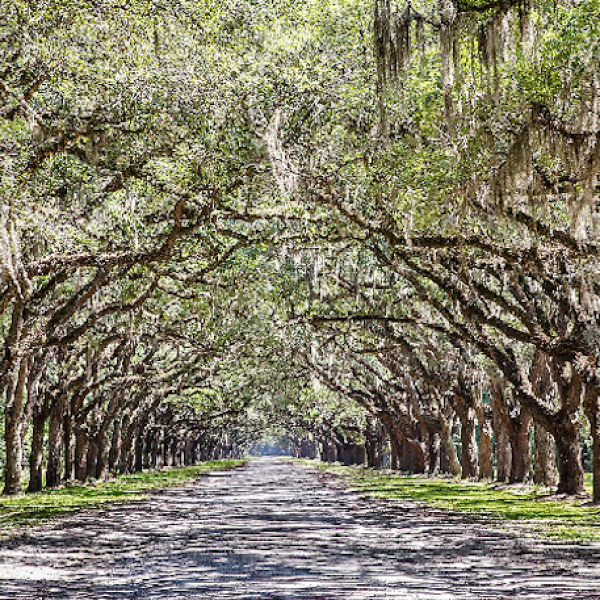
x,y
276,530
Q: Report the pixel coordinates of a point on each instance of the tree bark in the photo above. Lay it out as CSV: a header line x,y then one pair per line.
x,y
103,451
570,468
468,437
92,459
36,459
447,442
592,411
521,466
55,442
545,457
81,450
503,448
486,444
13,383
116,445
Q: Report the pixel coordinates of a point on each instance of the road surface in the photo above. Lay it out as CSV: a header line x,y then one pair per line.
x,y
275,530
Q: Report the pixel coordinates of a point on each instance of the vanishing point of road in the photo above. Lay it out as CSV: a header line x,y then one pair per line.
x,y
276,530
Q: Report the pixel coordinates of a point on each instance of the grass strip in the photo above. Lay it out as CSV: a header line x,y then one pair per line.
x,y
32,509
532,509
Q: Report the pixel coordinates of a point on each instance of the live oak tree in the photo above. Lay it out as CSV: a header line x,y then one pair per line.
x,y
341,218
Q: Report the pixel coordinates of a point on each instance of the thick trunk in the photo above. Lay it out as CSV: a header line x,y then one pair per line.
x,y
188,451
545,458
592,411
36,459
69,449
103,451
570,469
435,455
486,444
116,444
13,425
92,459
501,421
449,448
419,458
127,454
503,455
468,438
55,443
395,452
140,457
13,373
545,455
521,466
81,450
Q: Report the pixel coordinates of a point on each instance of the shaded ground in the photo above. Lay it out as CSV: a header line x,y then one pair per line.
x,y
273,530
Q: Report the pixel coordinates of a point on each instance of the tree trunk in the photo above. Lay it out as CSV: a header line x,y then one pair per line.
x,y
92,459
592,410
69,449
435,454
396,452
570,469
141,458
81,450
500,420
486,443
55,442
545,457
468,437
449,447
521,448
103,451
503,456
13,425
116,444
14,374
36,459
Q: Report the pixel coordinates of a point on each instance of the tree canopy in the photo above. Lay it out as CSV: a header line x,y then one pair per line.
x,y
351,225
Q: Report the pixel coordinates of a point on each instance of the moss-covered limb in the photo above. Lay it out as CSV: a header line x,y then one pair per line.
x,y
32,509
531,508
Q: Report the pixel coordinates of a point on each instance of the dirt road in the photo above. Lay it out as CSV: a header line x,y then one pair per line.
x,y
273,530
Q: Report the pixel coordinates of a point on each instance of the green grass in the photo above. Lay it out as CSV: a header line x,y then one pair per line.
x,y
529,508
32,509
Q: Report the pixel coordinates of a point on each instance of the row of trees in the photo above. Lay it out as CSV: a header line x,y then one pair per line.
x,y
352,222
